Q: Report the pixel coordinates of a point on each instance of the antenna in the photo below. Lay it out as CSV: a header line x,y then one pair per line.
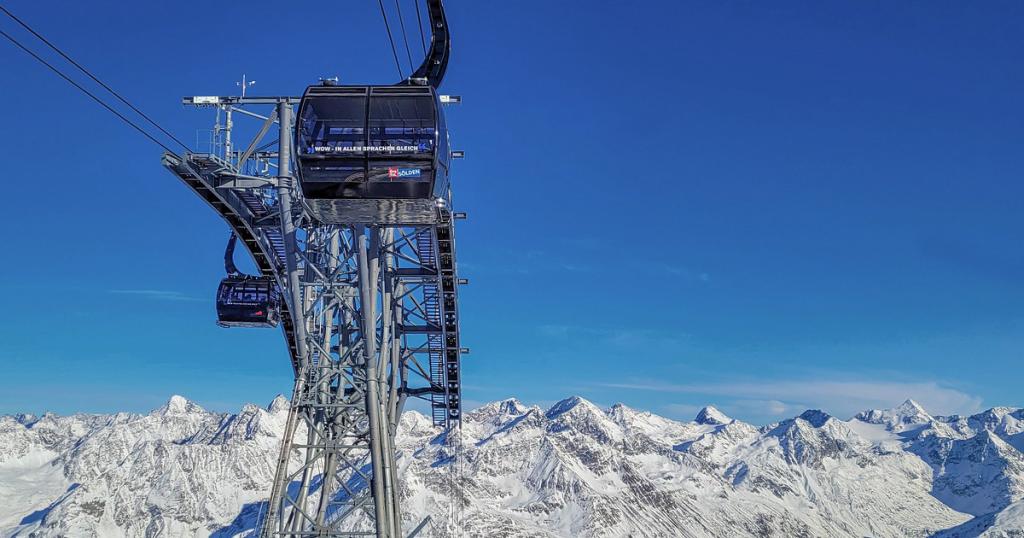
x,y
244,84
228,123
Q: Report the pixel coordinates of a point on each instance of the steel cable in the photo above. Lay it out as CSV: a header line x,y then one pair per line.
x,y
405,36
394,51
419,22
85,91
93,77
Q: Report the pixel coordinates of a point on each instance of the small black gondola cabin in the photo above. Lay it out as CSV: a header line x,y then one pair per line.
x,y
248,301
372,153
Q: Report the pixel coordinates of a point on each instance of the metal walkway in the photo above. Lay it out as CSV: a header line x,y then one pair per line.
x,y
253,220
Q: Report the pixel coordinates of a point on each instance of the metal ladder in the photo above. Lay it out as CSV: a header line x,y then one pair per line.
x,y
435,341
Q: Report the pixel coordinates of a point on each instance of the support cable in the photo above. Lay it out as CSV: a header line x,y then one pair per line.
x,y
93,77
419,22
229,257
405,36
394,51
87,92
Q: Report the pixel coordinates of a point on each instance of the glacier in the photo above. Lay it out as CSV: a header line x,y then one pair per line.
x,y
575,469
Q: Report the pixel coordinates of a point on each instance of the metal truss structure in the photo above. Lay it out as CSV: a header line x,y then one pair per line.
x,y
370,316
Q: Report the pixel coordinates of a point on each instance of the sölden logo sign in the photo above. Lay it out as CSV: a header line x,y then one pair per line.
x,y
395,172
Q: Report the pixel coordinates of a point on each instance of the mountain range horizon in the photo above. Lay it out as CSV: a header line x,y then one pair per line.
x,y
707,410
572,469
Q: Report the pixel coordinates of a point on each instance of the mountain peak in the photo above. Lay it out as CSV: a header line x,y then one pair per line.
x,y
815,417
511,406
280,403
621,410
567,405
499,409
178,405
26,419
908,413
911,408
712,416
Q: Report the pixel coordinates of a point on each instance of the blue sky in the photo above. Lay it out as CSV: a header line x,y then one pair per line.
x,y
763,207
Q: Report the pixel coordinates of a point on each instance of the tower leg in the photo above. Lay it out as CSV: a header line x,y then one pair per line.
x,y
337,466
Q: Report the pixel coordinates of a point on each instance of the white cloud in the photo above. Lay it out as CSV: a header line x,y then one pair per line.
x,y
763,407
160,295
623,337
840,397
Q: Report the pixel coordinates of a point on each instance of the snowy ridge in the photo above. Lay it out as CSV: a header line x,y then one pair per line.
x,y
572,470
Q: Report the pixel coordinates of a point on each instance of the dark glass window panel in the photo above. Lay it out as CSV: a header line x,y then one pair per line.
x,y
332,124
403,123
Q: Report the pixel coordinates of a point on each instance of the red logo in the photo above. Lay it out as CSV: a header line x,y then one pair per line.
x,y
392,172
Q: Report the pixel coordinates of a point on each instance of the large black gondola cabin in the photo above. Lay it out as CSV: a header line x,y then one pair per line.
x,y
372,154
248,301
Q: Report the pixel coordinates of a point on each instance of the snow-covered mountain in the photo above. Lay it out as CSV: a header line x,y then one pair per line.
x,y
571,470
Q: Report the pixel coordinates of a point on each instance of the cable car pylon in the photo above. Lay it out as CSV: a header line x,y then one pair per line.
x,y
347,215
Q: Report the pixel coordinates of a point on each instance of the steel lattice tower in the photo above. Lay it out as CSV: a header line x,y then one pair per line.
x,y
370,316
368,302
